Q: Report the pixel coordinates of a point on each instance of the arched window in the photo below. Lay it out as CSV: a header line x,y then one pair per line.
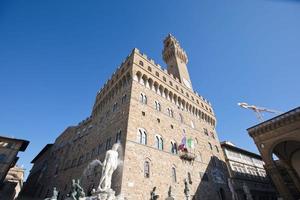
x,y
118,136
143,98
180,117
157,106
146,169
141,63
142,136
173,147
159,143
210,146
170,112
124,98
217,148
174,179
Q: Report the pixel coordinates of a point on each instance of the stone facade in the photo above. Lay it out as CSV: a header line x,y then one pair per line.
x,y
278,141
247,174
150,111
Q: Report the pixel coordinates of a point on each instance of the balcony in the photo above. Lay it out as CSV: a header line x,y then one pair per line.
x,y
187,156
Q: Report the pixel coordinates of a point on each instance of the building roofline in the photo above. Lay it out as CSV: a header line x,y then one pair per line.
x,y
275,122
228,146
24,142
46,147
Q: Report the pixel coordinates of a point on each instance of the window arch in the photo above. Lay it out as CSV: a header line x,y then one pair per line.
x,y
146,169
157,106
159,143
143,98
173,147
174,178
170,112
142,136
181,117
210,146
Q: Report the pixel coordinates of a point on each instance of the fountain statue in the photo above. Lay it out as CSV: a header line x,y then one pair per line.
x,y
109,165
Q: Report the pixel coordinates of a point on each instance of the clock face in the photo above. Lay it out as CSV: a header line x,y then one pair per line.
x,y
187,83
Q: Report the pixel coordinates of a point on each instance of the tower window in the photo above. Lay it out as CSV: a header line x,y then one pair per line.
x,y
210,146
164,78
170,112
143,98
141,63
217,148
157,74
205,131
149,69
157,106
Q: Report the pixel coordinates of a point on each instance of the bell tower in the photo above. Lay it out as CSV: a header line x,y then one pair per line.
x,y
176,60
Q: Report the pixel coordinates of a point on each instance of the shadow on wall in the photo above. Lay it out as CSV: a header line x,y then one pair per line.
x,y
213,183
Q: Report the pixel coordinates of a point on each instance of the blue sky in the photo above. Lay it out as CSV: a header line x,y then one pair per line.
x,y
55,55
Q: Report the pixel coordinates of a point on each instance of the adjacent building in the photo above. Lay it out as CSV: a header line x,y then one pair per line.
x,y
247,176
9,148
278,141
166,129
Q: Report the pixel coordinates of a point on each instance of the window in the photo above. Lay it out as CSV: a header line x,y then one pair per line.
x,y
171,83
205,131
164,78
157,74
149,69
143,98
2,158
143,113
190,178
217,149
174,179
210,146
124,98
146,169
212,134
180,117
157,106
173,147
141,63
115,107
170,112
118,136
108,144
172,127
142,136
159,143
158,120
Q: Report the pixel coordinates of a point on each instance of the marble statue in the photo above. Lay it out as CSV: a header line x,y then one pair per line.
x,y
154,196
109,165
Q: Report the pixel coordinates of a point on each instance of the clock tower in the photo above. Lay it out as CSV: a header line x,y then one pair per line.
x,y
176,60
